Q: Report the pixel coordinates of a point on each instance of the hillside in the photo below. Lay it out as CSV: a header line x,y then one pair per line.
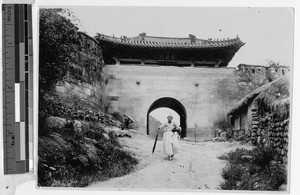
x,y
77,147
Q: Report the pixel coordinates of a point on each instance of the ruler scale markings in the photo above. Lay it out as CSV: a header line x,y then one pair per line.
x,y
17,89
8,21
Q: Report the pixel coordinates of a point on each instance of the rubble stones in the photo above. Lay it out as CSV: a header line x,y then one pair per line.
x,y
58,109
219,139
116,130
77,125
125,133
106,136
56,122
223,135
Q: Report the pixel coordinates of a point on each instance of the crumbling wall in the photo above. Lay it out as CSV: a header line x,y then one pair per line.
x,y
260,74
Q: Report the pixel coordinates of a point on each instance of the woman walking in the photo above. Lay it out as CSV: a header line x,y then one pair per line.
x,y
170,137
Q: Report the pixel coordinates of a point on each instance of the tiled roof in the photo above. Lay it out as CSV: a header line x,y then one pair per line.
x,y
169,43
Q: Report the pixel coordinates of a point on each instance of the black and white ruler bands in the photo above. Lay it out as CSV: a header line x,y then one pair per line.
x,y
17,89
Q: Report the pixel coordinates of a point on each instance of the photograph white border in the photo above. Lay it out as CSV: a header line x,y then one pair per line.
x,y
294,179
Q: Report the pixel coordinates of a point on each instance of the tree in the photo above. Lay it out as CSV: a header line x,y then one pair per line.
x,y
58,37
269,75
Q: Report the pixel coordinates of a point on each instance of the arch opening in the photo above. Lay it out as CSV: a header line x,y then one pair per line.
x,y
173,104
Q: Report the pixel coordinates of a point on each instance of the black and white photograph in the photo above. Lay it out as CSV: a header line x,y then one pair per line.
x,y
165,98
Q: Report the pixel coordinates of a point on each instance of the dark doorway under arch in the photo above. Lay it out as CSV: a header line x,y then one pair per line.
x,y
173,104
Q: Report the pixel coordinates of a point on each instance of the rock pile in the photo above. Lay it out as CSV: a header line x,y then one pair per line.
x,y
79,126
57,109
61,115
222,138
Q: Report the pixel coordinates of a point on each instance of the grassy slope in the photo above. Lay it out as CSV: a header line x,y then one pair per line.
x,y
75,158
252,170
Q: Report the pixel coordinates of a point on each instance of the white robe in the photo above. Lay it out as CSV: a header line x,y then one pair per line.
x,y
170,139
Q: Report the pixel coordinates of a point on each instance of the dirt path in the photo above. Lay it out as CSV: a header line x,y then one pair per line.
x,y
195,167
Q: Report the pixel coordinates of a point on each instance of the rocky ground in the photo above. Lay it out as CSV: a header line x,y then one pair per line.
x,y
195,167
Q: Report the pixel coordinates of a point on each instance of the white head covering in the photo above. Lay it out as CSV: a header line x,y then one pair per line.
x,y
169,116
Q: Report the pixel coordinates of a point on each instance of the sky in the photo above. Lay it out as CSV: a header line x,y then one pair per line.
x,y
267,32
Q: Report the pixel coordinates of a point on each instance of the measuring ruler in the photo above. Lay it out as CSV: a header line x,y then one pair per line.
x,y
17,86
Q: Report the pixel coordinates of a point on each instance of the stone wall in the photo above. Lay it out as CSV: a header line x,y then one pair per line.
x,y
131,89
260,73
271,131
84,83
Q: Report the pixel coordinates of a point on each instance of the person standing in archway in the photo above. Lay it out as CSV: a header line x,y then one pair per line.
x,y
170,137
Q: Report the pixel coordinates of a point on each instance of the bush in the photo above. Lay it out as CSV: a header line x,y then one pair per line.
x,y
76,159
58,35
238,156
252,170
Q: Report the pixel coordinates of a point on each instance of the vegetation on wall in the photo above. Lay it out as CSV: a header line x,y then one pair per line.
x,y
57,37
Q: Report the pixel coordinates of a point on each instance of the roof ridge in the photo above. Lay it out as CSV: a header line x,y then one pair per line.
x,y
187,38
199,43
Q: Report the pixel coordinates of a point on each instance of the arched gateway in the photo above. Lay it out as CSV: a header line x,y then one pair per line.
x,y
174,105
145,72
